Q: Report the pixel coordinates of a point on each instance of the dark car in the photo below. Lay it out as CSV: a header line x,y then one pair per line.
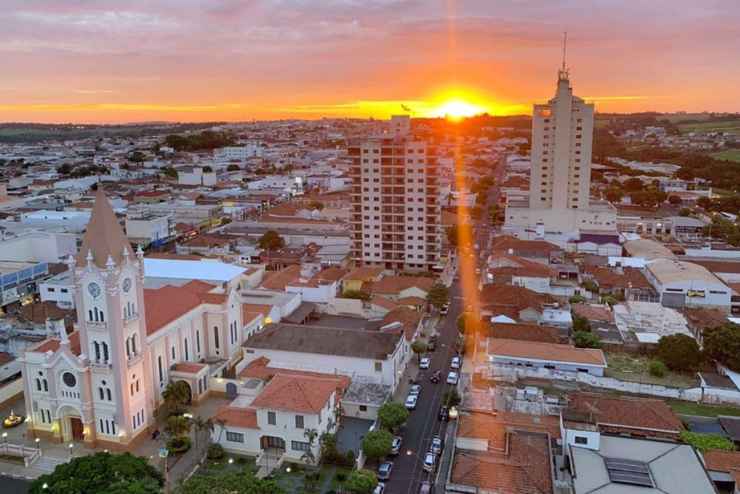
x,y
444,413
436,377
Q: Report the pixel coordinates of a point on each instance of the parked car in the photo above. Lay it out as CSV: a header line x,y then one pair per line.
x,y
455,364
379,489
430,462
396,445
426,487
444,413
436,447
444,310
415,390
384,470
411,401
425,362
436,377
452,377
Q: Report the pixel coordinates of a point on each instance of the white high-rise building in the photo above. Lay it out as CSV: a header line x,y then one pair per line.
x,y
559,206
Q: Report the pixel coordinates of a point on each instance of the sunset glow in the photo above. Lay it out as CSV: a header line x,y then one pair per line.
x,y
457,109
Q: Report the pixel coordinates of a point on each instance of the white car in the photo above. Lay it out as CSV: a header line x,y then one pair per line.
x,y
452,378
430,461
436,446
411,401
425,362
415,390
380,488
444,310
455,364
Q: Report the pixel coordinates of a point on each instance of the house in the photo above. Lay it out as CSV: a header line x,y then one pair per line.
x,y
354,280
398,287
284,420
625,464
515,302
370,356
410,322
519,271
724,469
620,282
503,453
622,415
524,332
541,355
534,250
685,284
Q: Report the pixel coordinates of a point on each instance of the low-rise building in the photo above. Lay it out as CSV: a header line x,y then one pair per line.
x,y
541,355
685,284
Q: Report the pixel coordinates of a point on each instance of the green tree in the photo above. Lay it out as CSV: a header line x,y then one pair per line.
x,y
357,294
228,482
684,212
101,473
657,368
451,398
392,415
586,339
178,425
308,456
176,396
419,347
271,240
361,482
377,444
577,299
202,426
581,324
169,171
136,156
679,352
705,442
723,345
466,322
438,295
233,168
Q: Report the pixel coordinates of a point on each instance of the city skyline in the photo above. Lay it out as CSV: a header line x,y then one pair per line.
x,y
110,63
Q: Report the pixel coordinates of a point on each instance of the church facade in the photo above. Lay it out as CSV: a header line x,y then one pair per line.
x,y
102,383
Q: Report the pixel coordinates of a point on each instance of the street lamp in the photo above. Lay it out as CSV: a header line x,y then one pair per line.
x,y
231,461
71,448
45,486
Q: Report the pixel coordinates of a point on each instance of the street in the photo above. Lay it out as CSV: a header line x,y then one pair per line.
x,y
408,471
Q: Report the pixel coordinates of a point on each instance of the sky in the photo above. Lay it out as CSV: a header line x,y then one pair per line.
x,y
186,60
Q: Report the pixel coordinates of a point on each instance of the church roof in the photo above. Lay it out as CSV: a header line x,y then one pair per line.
x,y
104,236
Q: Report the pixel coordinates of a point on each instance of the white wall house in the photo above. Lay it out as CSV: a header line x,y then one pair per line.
x,y
539,355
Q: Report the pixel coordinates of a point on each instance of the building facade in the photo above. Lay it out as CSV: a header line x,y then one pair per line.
x,y
395,212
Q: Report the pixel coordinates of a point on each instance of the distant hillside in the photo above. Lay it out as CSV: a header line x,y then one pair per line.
x,y
34,133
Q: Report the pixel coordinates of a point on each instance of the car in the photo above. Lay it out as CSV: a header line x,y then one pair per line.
x,y
411,402
444,310
452,378
436,377
426,487
384,470
430,462
415,390
379,489
396,445
455,364
425,362
477,270
444,413
436,447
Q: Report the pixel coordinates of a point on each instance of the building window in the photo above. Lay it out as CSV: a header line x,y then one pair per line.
x,y
300,446
234,437
378,366
299,421
363,408
161,372
271,418
581,440
215,337
197,342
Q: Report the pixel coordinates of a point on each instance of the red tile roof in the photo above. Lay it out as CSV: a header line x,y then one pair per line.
x,y
278,280
168,303
508,266
364,273
525,332
550,352
393,285
252,311
409,318
189,367
593,312
52,344
524,248
306,394
245,418
622,414
610,279
259,368
723,461
500,298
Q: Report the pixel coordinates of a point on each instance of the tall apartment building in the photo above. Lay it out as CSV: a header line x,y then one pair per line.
x,y
562,133
395,211
559,207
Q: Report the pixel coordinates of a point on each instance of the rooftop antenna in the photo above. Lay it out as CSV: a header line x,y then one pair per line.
x,y
564,70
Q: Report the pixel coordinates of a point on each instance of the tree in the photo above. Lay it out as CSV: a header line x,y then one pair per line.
x,y
377,444
308,456
705,442
392,415
419,347
657,368
586,339
178,425
361,482
202,425
228,482
679,352
577,299
684,212
316,205
101,473
207,169
233,168
675,200
176,395
723,345
704,202
271,240
466,323
614,194
633,184
452,235
451,398
581,324
169,171
136,156
357,294
438,295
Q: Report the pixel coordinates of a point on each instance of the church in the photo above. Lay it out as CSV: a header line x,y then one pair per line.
x,y
102,382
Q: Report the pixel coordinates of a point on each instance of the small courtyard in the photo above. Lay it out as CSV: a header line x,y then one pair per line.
x,y
635,368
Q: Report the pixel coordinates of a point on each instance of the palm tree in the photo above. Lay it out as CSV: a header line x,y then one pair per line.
x,y
222,425
308,456
202,425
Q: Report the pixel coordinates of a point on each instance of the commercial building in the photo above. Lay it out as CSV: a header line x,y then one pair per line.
x,y
559,195
685,284
395,212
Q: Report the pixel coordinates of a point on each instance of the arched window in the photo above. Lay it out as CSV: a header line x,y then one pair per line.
x,y
97,351
105,352
90,315
46,384
215,337
102,316
38,384
102,393
133,344
128,347
110,397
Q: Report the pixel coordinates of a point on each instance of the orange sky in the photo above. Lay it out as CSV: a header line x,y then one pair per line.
x,y
188,60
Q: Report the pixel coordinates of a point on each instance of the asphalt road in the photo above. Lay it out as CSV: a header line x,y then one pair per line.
x,y
13,486
423,424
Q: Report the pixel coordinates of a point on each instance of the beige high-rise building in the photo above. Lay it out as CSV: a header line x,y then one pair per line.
x,y
559,207
562,133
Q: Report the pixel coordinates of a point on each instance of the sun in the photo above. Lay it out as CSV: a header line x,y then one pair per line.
x,y
457,109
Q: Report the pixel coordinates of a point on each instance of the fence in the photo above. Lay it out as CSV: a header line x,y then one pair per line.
x,y
29,455
705,395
